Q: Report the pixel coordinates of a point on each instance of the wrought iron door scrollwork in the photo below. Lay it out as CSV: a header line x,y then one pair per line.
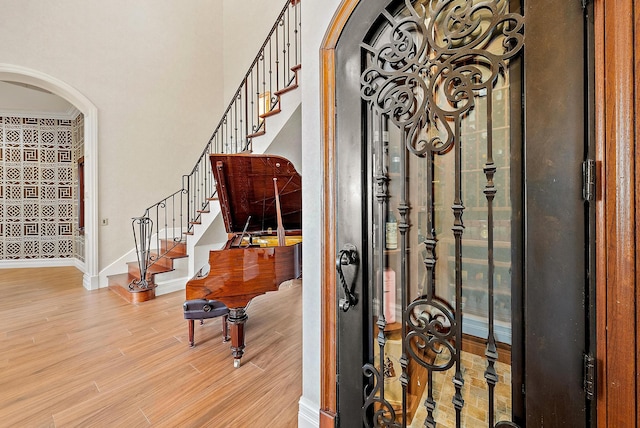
x,y
384,414
425,76
431,323
425,72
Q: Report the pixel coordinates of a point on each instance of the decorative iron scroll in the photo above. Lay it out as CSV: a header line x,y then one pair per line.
x,y
142,237
424,72
430,321
384,414
426,75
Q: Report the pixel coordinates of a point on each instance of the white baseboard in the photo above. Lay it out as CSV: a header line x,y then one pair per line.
x,y
32,263
308,414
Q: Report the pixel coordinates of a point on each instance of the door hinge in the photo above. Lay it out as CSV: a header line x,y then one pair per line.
x,y
585,3
590,376
588,179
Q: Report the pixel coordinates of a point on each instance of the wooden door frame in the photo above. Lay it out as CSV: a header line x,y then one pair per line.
x,y
616,260
616,80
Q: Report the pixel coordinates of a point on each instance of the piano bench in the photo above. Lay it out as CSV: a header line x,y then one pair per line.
x,y
201,309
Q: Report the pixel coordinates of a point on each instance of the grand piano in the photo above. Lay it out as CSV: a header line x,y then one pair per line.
x,y
261,203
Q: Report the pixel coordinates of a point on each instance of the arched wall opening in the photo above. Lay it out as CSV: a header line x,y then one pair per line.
x,y
36,78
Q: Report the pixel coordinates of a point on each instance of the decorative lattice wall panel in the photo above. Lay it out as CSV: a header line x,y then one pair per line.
x,y
38,196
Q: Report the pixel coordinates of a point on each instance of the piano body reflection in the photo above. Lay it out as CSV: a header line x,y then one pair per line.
x,y
261,203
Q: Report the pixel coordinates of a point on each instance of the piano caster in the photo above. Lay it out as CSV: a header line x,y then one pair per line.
x,y
236,363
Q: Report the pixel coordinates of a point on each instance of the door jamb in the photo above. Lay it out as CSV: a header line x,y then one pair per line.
x,y
617,292
328,396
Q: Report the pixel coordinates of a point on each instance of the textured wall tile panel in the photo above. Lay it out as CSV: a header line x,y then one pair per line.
x,y
39,188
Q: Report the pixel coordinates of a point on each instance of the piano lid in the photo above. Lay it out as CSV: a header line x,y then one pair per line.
x,y
245,188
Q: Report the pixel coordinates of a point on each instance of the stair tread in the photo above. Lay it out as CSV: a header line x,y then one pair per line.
x,y
119,279
286,89
270,113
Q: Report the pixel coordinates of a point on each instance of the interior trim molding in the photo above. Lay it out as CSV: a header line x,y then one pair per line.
x,y
307,414
41,263
617,265
16,73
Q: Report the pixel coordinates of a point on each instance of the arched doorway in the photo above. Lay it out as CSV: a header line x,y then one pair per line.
x,y
36,78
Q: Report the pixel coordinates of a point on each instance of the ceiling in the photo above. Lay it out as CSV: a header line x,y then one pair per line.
x,y
20,99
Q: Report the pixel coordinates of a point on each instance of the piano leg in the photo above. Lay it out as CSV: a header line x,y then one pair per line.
x,y
192,342
237,318
225,328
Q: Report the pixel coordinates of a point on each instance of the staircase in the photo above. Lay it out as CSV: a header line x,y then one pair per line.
x,y
168,233
167,261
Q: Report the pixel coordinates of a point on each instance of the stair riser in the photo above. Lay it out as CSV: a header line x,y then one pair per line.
x,y
180,248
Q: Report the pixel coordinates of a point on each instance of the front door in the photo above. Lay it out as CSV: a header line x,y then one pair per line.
x,y
463,234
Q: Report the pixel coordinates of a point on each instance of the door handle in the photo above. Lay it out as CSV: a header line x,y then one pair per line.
x,y
347,256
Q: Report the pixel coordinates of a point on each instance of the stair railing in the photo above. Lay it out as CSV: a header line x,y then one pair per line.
x,y
273,72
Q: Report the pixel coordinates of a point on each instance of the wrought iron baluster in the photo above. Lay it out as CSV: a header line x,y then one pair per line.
x,y
264,85
251,103
245,130
237,122
257,111
277,53
270,83
298,36
287,48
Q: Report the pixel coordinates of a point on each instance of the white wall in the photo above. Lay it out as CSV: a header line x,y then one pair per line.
x,y
246,25
316,16
150,67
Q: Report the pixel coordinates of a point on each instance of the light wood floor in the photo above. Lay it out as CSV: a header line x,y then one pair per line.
x,y
71,357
